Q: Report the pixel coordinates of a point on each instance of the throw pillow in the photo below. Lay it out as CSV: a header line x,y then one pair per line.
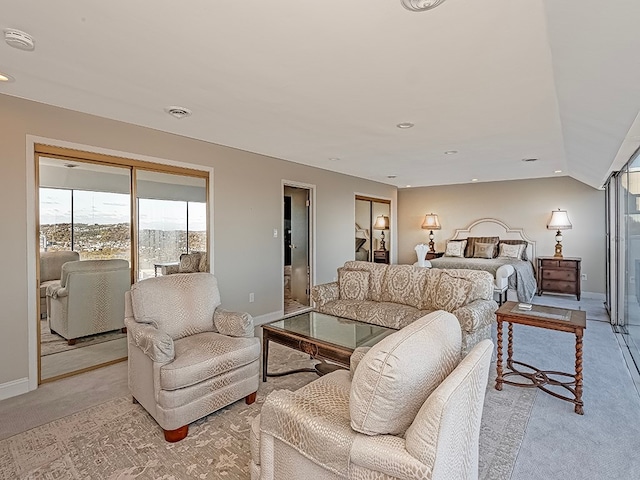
x,y
189,263
511,251
524,255
483,250
455,248
353,284
397,374
471,241
451,292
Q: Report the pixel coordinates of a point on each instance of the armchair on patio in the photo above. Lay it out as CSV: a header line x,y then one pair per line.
x,y
189,263
89,298
187,356
51,272
409,409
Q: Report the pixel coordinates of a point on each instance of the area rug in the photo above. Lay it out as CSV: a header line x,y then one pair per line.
x,y
51,343
118,440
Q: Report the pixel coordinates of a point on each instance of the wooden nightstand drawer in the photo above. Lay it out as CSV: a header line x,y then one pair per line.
x,y
567,275
549,263
559,286
568,264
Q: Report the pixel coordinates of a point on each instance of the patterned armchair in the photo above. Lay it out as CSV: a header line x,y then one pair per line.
x,y
187,356
409,409
89,298
51,271
189,263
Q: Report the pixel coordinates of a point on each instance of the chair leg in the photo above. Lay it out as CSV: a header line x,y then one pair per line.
x,y
71,341
177,434
251,398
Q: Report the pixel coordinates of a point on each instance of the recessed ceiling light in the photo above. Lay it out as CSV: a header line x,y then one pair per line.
x,y
334,159
178,112
451,152
19,39
70,165
557,171
474,179
529,159
405,125
408,186
5,77
391,176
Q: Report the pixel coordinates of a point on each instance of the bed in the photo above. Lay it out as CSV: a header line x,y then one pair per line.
x,y
515,277
362,243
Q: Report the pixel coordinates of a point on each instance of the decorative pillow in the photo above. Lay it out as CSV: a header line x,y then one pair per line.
x,y
471,241
203,267
483,250
189,263
511,251
353,284
397,374
517,242
451,292
455,248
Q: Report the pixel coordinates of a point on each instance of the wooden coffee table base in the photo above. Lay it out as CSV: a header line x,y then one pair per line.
x,y
537,378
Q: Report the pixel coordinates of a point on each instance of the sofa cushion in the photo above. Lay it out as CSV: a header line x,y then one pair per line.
x,y
451,293
206,355
387,314
376,276
397,374
353,284
404,284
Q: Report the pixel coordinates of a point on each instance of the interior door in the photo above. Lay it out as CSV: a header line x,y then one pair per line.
x,y
299,243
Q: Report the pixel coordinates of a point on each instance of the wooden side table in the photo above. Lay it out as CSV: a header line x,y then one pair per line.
x,y
559,275
381,256
559,319
432,255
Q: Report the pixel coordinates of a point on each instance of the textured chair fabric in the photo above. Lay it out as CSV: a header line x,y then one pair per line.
x,y
189,263
187,356
51,272
89,298
308,433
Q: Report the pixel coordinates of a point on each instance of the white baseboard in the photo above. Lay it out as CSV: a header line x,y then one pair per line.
x,y
593,295
268,318
14,388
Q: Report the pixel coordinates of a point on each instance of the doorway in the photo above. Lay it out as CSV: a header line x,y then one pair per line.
x,y
297,248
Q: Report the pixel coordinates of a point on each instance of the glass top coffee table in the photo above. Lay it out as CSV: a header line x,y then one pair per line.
x,y
324,337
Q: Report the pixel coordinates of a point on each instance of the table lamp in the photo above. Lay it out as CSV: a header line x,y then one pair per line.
x,y
431,223
559,221
382,223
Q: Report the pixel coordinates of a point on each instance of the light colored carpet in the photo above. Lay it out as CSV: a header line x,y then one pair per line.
x,y
119,440
51,343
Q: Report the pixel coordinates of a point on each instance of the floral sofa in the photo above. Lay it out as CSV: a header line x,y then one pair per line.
x,y
396,295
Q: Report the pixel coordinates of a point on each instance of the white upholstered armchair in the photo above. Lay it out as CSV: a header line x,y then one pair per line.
x,y
411,410
51,272
187,356
89,298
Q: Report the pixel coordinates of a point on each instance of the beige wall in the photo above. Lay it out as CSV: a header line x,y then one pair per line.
x,y
247,207
523,204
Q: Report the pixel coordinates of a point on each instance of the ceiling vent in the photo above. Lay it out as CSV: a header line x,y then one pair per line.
x,y
529,159
178,112
19,39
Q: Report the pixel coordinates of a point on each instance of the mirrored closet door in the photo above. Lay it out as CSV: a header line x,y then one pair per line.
x,y
372,242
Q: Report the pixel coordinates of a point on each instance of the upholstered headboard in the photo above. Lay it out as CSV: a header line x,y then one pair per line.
x,y
492,227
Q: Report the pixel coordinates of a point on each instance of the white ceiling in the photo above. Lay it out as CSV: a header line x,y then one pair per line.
x,y
309,81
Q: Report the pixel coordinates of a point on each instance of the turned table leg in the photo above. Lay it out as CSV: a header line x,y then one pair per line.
x,y
499,357
579,405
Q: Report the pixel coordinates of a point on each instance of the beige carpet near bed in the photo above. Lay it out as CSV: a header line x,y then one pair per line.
x,y
119,440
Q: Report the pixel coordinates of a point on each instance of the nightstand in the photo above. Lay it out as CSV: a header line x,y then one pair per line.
x,y
559,275
381,256
432,255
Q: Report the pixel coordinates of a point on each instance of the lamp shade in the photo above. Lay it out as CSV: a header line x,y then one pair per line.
x,y
431,222
382,223
559,220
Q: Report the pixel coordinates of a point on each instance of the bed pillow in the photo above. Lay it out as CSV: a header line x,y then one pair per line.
x,y
484,250
455,248
518,242
471,241
511,251
353,284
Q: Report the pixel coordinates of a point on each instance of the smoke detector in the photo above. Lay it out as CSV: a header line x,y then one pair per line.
x,y
19,39
178,112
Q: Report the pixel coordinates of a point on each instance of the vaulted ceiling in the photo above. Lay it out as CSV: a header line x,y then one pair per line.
x,y
325,83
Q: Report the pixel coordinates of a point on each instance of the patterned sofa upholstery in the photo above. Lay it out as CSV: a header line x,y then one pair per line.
x,y
187,356
408,409
51,272
89,298
396,295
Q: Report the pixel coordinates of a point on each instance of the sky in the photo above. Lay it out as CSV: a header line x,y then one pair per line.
x,y
111,208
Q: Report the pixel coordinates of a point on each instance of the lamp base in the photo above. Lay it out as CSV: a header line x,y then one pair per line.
x,y
431,244
558,253
382,245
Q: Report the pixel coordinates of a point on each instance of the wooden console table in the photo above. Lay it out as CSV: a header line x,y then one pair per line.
x,y
560,319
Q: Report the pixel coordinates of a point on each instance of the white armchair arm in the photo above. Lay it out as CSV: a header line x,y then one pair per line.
x,y
396,462
502,276
156,345
233,324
